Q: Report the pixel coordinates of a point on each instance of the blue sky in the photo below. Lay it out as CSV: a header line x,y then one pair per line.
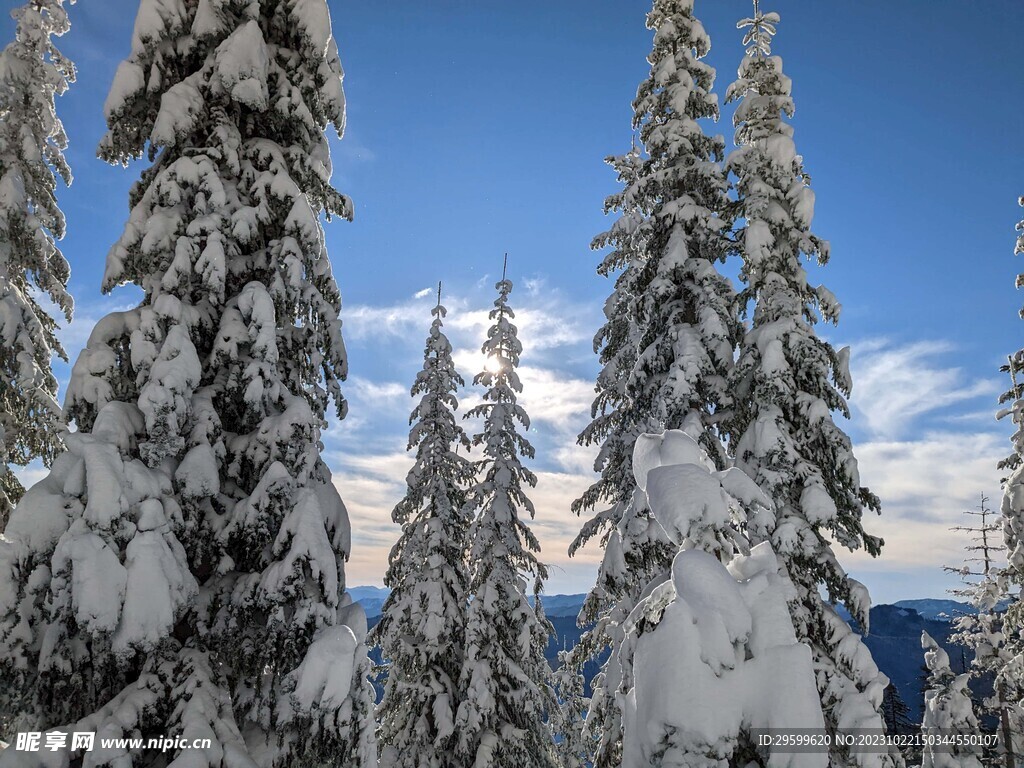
x,y
479,128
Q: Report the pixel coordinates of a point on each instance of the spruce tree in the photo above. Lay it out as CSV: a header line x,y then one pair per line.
x,y
986,590
181,568
506,679
32,142
423,621
1009,682
787,384
567,721
667,345
948,711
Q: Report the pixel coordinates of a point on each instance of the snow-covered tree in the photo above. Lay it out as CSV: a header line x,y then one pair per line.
x,y
707,514
948,711
986,590
423,621
708,653
667,344
787,384
181,568
32,142
1009,683
567,721
505,677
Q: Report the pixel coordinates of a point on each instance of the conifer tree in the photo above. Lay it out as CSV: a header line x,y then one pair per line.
x,y
948,711
986,590
506,679
181,568
32,142
896,713
423,621
568,720
1009,682
788,382
667,345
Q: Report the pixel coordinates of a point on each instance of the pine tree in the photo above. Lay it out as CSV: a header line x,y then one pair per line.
x,y
705,652
32,142
986,590
896,713
506,679
1009,682
788,382
668,342
568,720
948,711
423,621
181,568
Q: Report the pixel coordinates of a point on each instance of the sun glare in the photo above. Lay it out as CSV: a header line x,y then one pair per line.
x,y
493,364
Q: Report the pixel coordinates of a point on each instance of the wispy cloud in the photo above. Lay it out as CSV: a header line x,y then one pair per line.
x,y
894,385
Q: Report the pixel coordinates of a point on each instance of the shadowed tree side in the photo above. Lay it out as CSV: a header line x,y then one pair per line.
x,y
181,568
32,143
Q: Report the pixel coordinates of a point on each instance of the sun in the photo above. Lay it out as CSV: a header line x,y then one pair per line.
x,y
493,364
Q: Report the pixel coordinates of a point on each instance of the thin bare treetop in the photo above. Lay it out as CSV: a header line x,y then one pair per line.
x,y
758,38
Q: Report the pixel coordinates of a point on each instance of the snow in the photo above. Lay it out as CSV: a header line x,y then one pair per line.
x,y
685,496
672,447
324,678
713,666
159,586
242,62
86,566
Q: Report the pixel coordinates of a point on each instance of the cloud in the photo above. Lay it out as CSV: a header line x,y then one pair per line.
x,y
924,486
895,385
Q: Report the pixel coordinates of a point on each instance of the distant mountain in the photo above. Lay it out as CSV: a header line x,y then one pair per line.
x,y
371,598
894,642
944,610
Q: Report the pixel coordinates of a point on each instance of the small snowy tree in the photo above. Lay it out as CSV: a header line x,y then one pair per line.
x,y
668,342
948,711
786,385
506,679
707,654
568,720
32,143
181,568
986,591
707,514
423,621
896,713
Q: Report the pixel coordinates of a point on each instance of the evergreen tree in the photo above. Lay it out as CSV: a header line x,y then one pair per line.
x,y
986,589
568,720
948,711
1009,682
787,383
423,621
181,568
506,679
32,142
896,713
705,652
667,344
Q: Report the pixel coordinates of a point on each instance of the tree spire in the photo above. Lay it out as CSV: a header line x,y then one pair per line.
x,y
667,344
422,628
505,675
788,382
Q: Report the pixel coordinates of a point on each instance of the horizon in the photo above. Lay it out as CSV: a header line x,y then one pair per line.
x,y
487,128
